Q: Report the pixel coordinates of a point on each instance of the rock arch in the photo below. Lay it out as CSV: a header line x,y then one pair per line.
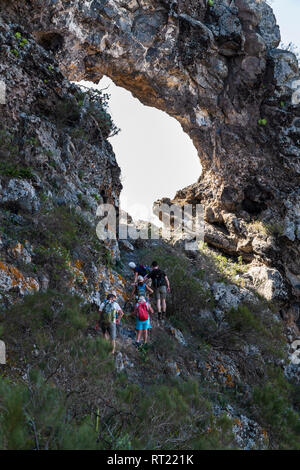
x,y
216,68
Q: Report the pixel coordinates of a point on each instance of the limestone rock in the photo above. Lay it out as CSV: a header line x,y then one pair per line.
x,y
268,282
126,245
20,195
230,296
178,336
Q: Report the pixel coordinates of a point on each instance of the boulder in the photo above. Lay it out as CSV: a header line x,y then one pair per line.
x,y
20,195
268,282
230,296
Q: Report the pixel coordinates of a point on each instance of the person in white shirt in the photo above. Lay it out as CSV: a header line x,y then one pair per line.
x,y
110,314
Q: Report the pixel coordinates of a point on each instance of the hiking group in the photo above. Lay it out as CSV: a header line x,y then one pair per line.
x,y
147,281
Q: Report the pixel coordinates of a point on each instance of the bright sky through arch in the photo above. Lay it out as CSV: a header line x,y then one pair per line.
x,y
287,13
156,157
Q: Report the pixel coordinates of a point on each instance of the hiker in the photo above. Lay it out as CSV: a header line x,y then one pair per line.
x,y
161,286
140,289
139,270
110,314
142,310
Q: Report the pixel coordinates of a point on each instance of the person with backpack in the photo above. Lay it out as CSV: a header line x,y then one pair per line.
x,y
161,286
141,288
142,311
110,314
139,270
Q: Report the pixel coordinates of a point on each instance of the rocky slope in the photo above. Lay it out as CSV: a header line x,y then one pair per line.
x,y
222,354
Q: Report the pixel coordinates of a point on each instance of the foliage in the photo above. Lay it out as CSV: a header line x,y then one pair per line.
x,y
98,109
9,154
291,47
95,409
35,415
226,267
15,171
249,325
66,113
267,228
274,410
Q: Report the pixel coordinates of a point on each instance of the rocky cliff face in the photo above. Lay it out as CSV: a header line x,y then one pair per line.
x,y
216,68
56,166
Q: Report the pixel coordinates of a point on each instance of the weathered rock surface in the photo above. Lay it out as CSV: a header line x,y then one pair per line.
x,y
230,296
268,282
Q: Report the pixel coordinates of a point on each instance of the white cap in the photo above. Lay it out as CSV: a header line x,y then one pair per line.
x,y
132,265
113,292
142,299
140,278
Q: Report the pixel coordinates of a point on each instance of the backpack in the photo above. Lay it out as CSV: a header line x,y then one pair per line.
x,y
143,270
108,313
141,290
142,311
159,278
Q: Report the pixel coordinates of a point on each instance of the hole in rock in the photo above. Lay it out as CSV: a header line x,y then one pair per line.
x,y
50,41
156,157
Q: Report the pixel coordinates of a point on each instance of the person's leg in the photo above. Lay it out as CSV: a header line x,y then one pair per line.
x,y
104,332
113,333
163,291
145,336
138,337
158,302
159,309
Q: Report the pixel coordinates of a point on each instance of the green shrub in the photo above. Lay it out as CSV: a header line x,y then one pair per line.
x,y
66,113
226,267
251,325
36,416
48,312
274,409
15,171
98,108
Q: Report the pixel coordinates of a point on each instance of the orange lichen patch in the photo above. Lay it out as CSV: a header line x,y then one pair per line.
x,y
12,277
121,279
78,275
229,380
78,264
221,369
18,249
208,366
228,377
238,422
